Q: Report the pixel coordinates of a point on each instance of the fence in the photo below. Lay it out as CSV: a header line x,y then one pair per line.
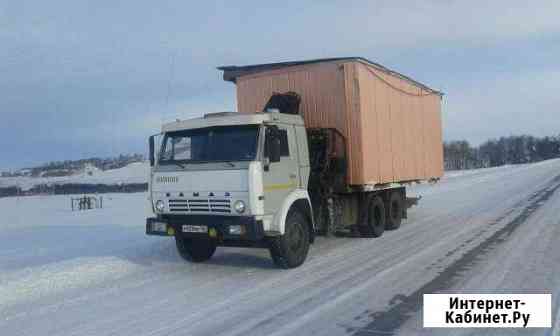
x,y
86,203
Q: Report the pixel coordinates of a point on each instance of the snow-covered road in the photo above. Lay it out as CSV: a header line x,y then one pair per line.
x,y
96,273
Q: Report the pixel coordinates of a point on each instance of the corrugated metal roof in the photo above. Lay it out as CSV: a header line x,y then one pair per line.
x,y
232,72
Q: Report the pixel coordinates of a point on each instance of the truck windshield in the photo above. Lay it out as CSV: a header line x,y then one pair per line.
x,y
223,143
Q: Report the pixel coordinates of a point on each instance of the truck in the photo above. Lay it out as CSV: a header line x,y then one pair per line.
x,y
318,147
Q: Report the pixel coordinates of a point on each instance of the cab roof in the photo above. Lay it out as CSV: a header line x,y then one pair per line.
x,y
233,118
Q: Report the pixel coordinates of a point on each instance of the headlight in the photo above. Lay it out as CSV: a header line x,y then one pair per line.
x,y
160,206
239,206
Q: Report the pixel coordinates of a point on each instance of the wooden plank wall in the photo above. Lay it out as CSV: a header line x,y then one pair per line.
x,y
402,137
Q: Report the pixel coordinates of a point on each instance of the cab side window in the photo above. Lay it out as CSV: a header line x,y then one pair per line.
x,y
284,147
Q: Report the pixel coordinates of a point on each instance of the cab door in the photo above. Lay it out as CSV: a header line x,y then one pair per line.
x,y
280,178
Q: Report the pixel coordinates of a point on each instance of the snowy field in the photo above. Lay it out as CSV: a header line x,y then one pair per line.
x,y
96,272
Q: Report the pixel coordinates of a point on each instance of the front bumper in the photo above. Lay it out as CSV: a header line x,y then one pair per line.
x,y
253,229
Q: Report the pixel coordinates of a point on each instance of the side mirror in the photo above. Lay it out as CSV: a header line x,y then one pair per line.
x,y
152,149
273,143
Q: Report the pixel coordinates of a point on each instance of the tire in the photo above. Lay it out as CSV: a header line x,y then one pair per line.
x,y
376,220
394,210
290,250
195,250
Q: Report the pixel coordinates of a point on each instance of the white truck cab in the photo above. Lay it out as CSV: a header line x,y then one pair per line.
x,y
233,179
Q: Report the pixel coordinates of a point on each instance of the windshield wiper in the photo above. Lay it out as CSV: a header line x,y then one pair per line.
x,y
182,165
172,162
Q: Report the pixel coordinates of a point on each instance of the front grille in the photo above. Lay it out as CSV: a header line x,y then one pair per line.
x,y
176,205
200,205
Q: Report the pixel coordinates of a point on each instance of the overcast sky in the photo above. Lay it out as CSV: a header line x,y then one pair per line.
x,y
95,78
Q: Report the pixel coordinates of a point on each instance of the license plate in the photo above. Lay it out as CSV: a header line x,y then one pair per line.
x,y
195,228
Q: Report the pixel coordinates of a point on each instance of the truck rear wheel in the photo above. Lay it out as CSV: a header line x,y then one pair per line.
x,y
290,249
195,250
394,210
376,220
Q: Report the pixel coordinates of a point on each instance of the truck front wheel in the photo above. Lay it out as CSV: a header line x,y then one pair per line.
x,y
290,249
195,250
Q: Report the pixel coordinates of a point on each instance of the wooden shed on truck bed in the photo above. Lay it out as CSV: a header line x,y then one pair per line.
x,y
391,122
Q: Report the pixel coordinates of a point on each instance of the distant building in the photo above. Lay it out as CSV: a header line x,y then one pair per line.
x,y
24,172
90,169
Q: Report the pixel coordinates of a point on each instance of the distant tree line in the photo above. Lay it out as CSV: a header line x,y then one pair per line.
x,y
74,188
498,152
69,167
101,163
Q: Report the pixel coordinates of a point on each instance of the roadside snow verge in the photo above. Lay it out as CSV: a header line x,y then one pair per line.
x,y
33,283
